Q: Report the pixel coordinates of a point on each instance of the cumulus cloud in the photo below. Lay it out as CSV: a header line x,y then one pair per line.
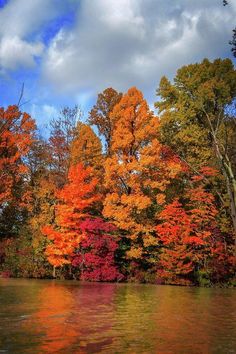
x,y
134,42
118,43
20,24
14,52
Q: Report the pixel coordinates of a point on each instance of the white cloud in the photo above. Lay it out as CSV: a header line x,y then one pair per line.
x,y
20,20
134,42
14,52
118,43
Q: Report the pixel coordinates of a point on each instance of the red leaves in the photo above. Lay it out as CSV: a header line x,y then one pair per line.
x,y
185,234
96,255
84,242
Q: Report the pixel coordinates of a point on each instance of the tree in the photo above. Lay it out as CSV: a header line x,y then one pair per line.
x,y
62,134
75,199
187,235
137,173
86,148
100,114
96,253
233,43
16,136
233,40
42,187
195,122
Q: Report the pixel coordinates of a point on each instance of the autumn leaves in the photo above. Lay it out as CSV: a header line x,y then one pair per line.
x,y
164,217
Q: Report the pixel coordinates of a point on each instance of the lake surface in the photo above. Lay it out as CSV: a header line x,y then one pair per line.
x,y
46,316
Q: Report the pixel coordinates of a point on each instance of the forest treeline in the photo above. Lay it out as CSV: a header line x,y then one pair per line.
x,y
149,198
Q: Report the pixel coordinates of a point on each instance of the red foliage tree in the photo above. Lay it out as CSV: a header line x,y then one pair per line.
x,y
96,254
187,235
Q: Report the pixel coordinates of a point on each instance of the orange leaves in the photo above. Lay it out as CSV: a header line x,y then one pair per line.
x,y
138,171
160,198
75,200
16,136
135,123
185,234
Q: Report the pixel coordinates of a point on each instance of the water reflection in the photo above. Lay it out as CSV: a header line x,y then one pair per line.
x,y
70,317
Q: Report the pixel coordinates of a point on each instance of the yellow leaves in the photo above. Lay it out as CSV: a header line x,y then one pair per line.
x,y
135,252
126,210
149,240
138,169
160,198
86,148
136,202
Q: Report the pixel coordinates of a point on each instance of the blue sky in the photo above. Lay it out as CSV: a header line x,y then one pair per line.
x,y
67,51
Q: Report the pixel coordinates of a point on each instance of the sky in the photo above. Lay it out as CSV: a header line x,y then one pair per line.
x,y
67,51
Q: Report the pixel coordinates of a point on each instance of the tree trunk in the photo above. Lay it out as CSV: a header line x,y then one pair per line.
x,y
230,182
54,272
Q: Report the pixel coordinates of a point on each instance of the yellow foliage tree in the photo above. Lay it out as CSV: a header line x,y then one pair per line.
x,y
86,148
137,173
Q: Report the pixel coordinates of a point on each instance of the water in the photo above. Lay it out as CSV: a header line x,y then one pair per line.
x,y
45,316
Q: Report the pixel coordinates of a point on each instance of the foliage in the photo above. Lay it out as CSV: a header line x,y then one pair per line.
x,y
96,254
100,114
86,148
136,175
187,235
196,124
21,259
16,137
154,207
75,199
62,133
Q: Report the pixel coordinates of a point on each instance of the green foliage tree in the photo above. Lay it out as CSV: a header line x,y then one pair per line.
x,y
194,119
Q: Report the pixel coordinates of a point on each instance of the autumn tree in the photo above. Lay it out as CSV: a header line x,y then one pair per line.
x,y
86,148
188,235
100,114
16,136
137,173
95,255
43,192
75,199
194,119
62,132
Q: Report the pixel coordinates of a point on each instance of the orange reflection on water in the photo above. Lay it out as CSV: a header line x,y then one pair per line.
x,y
67,322
52,320
75,317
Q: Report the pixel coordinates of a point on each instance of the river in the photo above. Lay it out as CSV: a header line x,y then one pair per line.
x,y
46,316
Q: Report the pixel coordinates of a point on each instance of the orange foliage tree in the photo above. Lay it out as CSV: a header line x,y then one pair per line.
x,y
75,199
137,173
16,137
